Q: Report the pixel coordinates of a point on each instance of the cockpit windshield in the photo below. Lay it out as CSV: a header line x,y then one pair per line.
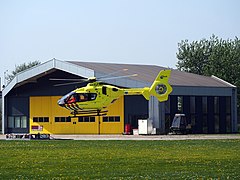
x,y
80,97
68,95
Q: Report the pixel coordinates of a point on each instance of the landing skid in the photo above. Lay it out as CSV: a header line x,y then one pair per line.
x,y
89,113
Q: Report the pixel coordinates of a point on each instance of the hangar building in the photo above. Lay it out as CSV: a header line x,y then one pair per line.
x,y
30,101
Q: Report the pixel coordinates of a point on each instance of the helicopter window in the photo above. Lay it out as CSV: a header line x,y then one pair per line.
x,y
85,97
104,90
114,89
93,96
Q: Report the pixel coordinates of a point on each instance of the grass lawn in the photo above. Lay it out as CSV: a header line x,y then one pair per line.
x,y
192,159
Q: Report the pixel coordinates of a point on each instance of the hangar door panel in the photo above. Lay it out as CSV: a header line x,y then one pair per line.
x,y
40,115
113,122
62,123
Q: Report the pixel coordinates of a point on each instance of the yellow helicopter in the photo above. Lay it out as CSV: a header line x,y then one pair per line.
x,y
96,96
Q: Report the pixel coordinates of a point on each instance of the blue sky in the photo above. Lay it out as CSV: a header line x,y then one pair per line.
x,y
118,31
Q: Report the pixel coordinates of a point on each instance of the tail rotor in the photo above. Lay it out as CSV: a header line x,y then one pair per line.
x,y
160,87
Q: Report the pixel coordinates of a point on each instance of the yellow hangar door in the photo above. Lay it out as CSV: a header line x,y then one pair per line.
x,y
47,117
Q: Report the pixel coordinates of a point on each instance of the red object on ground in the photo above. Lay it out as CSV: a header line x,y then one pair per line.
x,y
128,128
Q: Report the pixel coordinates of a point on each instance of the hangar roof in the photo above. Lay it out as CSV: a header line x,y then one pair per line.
x,y
147,73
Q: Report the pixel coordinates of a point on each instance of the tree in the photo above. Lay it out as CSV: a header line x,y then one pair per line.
x,y
20,68
212,57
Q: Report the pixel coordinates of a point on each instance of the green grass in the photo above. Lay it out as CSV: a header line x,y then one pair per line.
x,y
192,159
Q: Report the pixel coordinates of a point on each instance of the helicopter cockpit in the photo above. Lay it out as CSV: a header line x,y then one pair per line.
x,y
74,97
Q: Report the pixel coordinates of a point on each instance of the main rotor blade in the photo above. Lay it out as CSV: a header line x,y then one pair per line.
x,y
70,83
119,77
57,79
115,72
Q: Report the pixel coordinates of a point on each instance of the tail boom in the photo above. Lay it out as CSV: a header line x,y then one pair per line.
x,y
138,91
160,88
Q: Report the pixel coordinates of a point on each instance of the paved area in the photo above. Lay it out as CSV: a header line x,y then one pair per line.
x,y
143,137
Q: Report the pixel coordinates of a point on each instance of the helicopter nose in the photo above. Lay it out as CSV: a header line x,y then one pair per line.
x,y
61,102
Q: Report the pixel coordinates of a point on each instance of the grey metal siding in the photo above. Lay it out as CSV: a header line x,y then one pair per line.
x,y
201,91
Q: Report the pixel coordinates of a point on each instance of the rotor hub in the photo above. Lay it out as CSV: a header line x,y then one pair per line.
x,y
92,79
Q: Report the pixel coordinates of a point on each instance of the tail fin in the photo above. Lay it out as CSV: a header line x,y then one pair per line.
x,y
160,87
